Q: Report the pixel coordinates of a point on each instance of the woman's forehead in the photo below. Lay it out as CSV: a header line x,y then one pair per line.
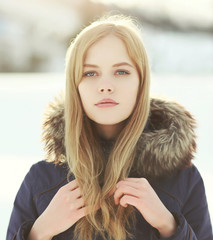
x,y
108,48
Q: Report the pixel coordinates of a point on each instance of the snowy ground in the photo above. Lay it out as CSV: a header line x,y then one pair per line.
x,y
23,98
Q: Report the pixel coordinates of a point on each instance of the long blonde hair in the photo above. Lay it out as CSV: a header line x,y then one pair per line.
x,y
84,155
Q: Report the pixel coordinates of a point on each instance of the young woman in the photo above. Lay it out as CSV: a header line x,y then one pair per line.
x,y
119,163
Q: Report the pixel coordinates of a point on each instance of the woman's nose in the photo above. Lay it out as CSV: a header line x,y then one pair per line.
x,y
106,87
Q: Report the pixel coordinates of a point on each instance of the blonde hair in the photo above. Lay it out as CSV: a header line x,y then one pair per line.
x,y
84,154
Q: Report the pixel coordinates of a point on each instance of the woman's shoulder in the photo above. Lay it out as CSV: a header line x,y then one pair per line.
x,y
45,175
186,178
182,185
190,181
46,169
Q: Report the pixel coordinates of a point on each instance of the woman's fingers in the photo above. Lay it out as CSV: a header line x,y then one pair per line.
x,y
81,212
76,193
133,179
139,193
71,185
136,187
79,203
125,190
131,200
136,183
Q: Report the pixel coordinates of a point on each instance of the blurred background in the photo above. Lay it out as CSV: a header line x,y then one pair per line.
x,y
34,36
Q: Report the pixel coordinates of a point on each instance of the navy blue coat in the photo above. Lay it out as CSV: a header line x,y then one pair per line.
x,y
164,153
183,194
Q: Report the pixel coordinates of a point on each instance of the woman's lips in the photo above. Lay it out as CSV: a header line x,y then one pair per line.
x,y
107,102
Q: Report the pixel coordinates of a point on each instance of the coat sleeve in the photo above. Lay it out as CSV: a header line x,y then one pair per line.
x,y
194,220
24,211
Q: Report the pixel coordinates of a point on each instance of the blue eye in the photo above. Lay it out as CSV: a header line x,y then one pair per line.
x,y
89,74
121,72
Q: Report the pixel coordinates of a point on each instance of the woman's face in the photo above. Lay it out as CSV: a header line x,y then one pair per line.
x,y
109,84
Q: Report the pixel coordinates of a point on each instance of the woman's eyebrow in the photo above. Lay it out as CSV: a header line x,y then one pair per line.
x,y
90,65
115,65
122,64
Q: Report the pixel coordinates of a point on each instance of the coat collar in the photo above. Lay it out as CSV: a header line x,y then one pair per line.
x,y
166,145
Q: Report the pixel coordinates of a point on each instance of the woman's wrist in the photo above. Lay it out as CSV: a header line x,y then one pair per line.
x,y
39,232
169,227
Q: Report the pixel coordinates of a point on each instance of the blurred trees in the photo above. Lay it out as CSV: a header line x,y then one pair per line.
x,y
34,35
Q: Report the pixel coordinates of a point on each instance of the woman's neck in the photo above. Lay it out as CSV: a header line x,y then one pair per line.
x,y
109,131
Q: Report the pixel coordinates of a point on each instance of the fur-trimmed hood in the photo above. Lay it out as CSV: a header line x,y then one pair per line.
x,y
166,145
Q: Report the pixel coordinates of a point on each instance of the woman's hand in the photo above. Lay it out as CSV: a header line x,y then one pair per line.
x,y
139,193
65,209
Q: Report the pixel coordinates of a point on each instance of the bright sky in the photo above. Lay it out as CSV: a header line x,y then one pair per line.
x,y
201,9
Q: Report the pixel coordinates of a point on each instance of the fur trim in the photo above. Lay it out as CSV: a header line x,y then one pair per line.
x,y
166,145
53,134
